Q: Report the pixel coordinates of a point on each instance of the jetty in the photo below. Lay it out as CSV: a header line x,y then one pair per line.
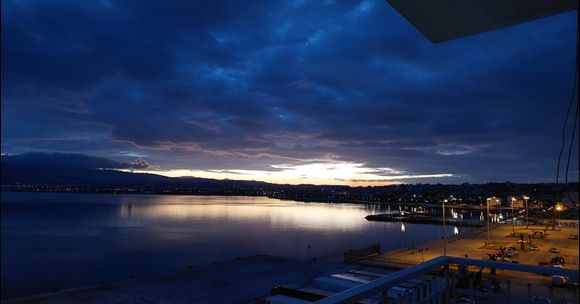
x,y
419,219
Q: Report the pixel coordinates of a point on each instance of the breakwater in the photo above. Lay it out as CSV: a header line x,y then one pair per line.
x,y
418,219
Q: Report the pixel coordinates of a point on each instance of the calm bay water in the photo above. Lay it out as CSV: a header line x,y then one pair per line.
x,y
55,241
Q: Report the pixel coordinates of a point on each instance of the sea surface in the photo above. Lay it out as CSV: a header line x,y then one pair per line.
x,y
55,241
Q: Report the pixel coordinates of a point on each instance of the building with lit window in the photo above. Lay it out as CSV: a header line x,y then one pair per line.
x,y
519,202
494,201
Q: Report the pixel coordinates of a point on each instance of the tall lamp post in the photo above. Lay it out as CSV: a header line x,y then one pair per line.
x,y
558,207
513,218
488,243
444,238
526,198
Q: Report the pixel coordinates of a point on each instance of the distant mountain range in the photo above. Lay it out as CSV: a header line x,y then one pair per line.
x,y
81,173
65,169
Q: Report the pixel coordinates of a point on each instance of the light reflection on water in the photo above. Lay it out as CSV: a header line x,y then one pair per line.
x,y
253,210
67,240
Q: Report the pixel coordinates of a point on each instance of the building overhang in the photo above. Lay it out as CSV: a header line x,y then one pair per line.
x,y
443,20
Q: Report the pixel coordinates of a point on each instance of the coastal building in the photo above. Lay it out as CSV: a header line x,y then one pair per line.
x,y
519,202
494,201
535,204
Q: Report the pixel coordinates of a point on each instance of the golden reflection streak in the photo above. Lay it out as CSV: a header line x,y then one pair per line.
x,y
313,216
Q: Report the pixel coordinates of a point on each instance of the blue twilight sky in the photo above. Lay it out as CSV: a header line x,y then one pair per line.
x,y
343,92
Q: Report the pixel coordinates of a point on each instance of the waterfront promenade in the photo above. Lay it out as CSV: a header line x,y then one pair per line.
x,y
474,246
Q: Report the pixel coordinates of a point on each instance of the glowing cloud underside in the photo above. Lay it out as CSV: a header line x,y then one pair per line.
x,y
315,173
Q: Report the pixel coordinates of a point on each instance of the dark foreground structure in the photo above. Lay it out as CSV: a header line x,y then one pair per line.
x,y
273,280
443,20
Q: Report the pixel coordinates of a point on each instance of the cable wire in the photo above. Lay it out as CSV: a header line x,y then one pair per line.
x,y
571,141
566,118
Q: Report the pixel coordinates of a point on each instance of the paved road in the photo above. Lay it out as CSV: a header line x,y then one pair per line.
x,y
474,246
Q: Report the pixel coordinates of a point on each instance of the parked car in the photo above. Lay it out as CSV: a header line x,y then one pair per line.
x,y
510,252
534,248
573,237
558,260
559,281
554,250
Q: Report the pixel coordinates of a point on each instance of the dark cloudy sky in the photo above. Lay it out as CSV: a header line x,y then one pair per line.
x,y
294,91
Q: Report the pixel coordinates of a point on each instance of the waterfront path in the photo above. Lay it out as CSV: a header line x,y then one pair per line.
x,y
474,246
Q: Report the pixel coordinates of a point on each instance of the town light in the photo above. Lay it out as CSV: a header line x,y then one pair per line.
x,y
559,206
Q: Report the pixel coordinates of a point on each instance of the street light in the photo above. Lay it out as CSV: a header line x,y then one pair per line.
x,y
559,206
444,238
526,198
488,243
513,218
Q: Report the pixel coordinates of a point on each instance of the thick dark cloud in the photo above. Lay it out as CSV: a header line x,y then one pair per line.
x,y
68,161
250,84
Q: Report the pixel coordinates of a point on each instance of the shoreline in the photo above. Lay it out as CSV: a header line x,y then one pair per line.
x,y
297,199
427,220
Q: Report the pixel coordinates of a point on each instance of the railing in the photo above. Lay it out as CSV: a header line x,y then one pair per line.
x,y
381,285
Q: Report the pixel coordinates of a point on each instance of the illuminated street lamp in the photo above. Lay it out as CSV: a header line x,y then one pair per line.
x,y
488,243
444,238
526,198
513,218
558,207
